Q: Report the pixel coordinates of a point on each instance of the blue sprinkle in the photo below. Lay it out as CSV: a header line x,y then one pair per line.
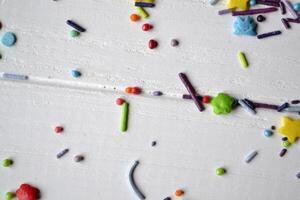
x,y
252,2
251,156
75,73
14,76
8,39
282,107
296,7
157,93
268,133
244,26
247,107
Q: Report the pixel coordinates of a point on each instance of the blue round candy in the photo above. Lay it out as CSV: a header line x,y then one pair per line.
x,y
8,39
296,7
75,73
268,133
252,2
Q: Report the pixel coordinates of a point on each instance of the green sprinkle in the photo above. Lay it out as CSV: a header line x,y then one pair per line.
x,y
142,12
7,162
286,144
124,117
222,104
74,33
243,59
220,171
9,196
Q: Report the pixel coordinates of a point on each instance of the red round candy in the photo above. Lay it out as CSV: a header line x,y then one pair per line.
x,y
27,192
152,44
146,27
58,129
119,101
206,99
136,90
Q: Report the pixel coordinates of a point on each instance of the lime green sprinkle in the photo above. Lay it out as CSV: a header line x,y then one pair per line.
x,y
286,143
220,171
74,33
9,196
142,12
7,162
222,104
124,117
243,59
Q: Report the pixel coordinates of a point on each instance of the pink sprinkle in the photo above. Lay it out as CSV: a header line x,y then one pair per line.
x,y
119,101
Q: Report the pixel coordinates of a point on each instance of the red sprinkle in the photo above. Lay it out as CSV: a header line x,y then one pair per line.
x,y
119,101
147,27
27,192
205,99
58,129
152,44
136,90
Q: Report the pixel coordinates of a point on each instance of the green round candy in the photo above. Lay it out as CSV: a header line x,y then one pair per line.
x,y
7,162
286,143
74,33
220,171
9,196
222,104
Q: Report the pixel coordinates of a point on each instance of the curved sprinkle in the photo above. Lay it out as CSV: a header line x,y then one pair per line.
x,y
132,182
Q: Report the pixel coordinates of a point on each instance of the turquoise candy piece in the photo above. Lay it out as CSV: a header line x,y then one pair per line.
x,y
296,7
8,39
252,2
244,26
222,104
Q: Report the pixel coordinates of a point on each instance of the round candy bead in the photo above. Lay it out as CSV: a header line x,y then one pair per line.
x,y
75,73
74,33
157,93
146,27
220,171
58,129
174,43
179,192
78,158
286,143
252,2
9,196
152,44
296,7
206,99
136,90
153,143
134,17
7,162
119,101
268,133
260,18
9,39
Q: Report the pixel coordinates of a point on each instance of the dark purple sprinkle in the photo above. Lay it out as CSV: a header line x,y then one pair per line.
x,y
226,11
283,106
284,139
187,96
153,143
268,3
289,6
295,101
78,158
298,175
273,127
293,20
249,103
285,23
76,26
167,198
191,91
254,11
269,34
266,106
282,8
143,4
157,93
235,103
282,152
273,1
260,18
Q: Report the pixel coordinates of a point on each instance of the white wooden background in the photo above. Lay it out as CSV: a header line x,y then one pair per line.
x,y
113,54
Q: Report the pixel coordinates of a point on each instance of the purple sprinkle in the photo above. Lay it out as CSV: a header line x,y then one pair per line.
x,y
268,3
254,11
285,23
191,91
298,175
269,34
282,8
157,93
187,96
266,106
291,9
295,102
282,152
283,106
226,11
249,103
293,20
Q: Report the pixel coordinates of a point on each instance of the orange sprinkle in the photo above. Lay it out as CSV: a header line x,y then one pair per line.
x,y
179,192
134,17
128,90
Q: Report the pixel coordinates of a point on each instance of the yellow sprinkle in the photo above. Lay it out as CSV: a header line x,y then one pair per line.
x,y
145,1
243,59
142,12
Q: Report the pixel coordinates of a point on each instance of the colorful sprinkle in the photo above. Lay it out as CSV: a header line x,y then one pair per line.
x,y
142,12
206,99
75,73
282,152
7,162
78,158
251,156
135,17
222,104
254,11
269,34
9,39
244,26
14,76
286,144
124,117
27,192
242,59
143,4
75,26
147,27
58,129
220,171
74,33
267,133
260,18
290,128
157,93
9,195
119,101
62,153
179,192
174,42
136,190
152,44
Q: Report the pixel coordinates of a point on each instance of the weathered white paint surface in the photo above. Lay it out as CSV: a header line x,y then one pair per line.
x,y
112,54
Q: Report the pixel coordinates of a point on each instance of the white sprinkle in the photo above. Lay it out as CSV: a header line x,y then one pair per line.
x,y
14,76
251,156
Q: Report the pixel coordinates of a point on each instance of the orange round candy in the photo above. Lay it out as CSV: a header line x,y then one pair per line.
x,y
128,90
179,192
134,17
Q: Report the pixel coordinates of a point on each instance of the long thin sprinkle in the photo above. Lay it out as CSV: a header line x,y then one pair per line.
x,y
291,9
269,34
292,109
251,156
136,190
226,11
187,96
247,107
265,105
268,3
191,91
124,117
62,153
76,26
14,76
282,8
285,23
254,11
